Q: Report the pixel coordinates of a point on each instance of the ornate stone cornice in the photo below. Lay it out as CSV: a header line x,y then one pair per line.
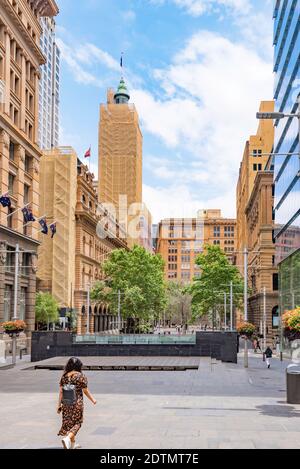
x,y
45,7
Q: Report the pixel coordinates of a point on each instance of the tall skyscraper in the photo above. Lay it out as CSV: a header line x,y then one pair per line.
x,y
20,61
120,151
286,148
49,87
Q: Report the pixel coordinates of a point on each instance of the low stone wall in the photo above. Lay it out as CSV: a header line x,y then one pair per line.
x,y
219,345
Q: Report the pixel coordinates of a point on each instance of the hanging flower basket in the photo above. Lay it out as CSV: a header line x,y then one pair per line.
x,y
246,329
13,328
291,324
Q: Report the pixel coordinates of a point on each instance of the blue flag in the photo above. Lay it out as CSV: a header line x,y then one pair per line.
x,y
28,215
53,229
44,226
5,201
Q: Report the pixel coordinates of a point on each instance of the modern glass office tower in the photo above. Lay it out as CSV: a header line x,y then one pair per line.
x,y
49,88
286,148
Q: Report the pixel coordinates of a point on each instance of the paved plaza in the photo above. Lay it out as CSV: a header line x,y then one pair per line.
x,y
217,406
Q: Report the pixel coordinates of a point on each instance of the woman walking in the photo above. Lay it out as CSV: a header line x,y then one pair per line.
x,y
72,386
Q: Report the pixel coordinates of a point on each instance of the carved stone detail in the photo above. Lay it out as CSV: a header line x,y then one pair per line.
x,y
36,167
34,263
3,255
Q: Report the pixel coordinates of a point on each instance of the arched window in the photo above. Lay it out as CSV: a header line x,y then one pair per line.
x,y
275,317
83,199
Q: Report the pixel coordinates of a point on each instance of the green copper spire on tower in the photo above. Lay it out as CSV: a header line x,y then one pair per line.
x,y
122,96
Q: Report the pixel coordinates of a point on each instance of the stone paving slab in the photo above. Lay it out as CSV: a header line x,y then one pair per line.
x,y
125,361
216,406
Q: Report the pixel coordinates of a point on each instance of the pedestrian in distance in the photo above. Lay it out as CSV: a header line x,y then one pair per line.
x,y
268,355
255,342
73,385
258,345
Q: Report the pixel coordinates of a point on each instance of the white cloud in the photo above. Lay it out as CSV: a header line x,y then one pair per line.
x,y
80,73
213,88
199,7
181,200
129,16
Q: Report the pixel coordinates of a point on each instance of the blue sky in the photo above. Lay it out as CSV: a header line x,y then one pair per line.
x,y
197,71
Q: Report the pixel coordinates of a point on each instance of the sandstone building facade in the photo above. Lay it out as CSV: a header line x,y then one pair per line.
x,y
20,61
120,165
70,263
263,273
255,224
181,240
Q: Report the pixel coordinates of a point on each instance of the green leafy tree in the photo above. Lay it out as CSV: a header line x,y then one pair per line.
x,y
179,303
139,276
46,309
216,274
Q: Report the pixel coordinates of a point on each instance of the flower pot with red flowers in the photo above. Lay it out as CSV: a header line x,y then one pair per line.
x,y
13,328
247,330
291,324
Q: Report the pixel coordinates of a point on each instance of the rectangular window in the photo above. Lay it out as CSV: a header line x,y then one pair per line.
x,y
11,151
255,167
217,231
26,194
275,282
11,182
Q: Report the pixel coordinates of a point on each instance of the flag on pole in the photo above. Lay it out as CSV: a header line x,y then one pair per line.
x,y
28,215
5,201
53,230
43,223
121,61
88,153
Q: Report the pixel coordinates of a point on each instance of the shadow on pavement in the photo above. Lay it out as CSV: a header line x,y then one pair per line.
x,y
278,410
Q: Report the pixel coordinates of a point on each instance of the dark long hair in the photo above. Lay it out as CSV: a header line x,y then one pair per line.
x,y
74,364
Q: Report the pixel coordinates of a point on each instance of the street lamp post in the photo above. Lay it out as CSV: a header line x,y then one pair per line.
x,y
119,310
225,310
88,308
231,306
265,322
246,303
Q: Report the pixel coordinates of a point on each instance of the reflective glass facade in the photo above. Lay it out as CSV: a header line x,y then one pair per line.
x,y
49,88
287,167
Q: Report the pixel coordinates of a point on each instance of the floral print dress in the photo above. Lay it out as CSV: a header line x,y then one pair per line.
x,y
72,415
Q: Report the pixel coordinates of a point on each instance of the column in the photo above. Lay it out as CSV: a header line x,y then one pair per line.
x,y
8,36
31,299
4,170
35,195
23,92
19,188
92,323
79,323
36,106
